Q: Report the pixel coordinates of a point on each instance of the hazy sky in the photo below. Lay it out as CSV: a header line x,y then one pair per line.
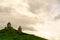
x,y
39,17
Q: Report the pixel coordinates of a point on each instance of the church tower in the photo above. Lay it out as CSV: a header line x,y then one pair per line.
x,y
9,26
19,29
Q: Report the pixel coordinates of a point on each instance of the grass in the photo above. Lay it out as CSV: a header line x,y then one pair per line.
x,y
12,34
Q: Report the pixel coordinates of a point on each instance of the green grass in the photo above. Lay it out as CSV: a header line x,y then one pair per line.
x,y
12,34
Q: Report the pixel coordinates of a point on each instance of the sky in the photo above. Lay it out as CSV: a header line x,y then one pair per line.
x,y
38,17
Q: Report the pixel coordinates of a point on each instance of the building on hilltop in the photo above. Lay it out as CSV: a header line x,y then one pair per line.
x,y
9,26
19,29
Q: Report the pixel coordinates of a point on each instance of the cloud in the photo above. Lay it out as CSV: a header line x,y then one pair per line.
x,y
34,5
43,6
16,18
57,17
28,28
5,10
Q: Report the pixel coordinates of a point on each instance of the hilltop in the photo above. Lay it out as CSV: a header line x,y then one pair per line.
x,y
9,33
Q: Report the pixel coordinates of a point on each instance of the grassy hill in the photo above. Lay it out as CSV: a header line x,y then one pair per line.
x,y
9,33
12,34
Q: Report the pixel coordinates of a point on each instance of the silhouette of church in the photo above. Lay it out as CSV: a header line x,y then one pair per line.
x,y
10,27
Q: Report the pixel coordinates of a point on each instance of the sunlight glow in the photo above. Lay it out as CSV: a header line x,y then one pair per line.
x,y
47,35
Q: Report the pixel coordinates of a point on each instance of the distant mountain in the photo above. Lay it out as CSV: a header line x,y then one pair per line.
x,y
8,33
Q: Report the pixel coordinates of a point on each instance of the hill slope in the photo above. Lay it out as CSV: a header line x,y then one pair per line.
x,y
12,34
